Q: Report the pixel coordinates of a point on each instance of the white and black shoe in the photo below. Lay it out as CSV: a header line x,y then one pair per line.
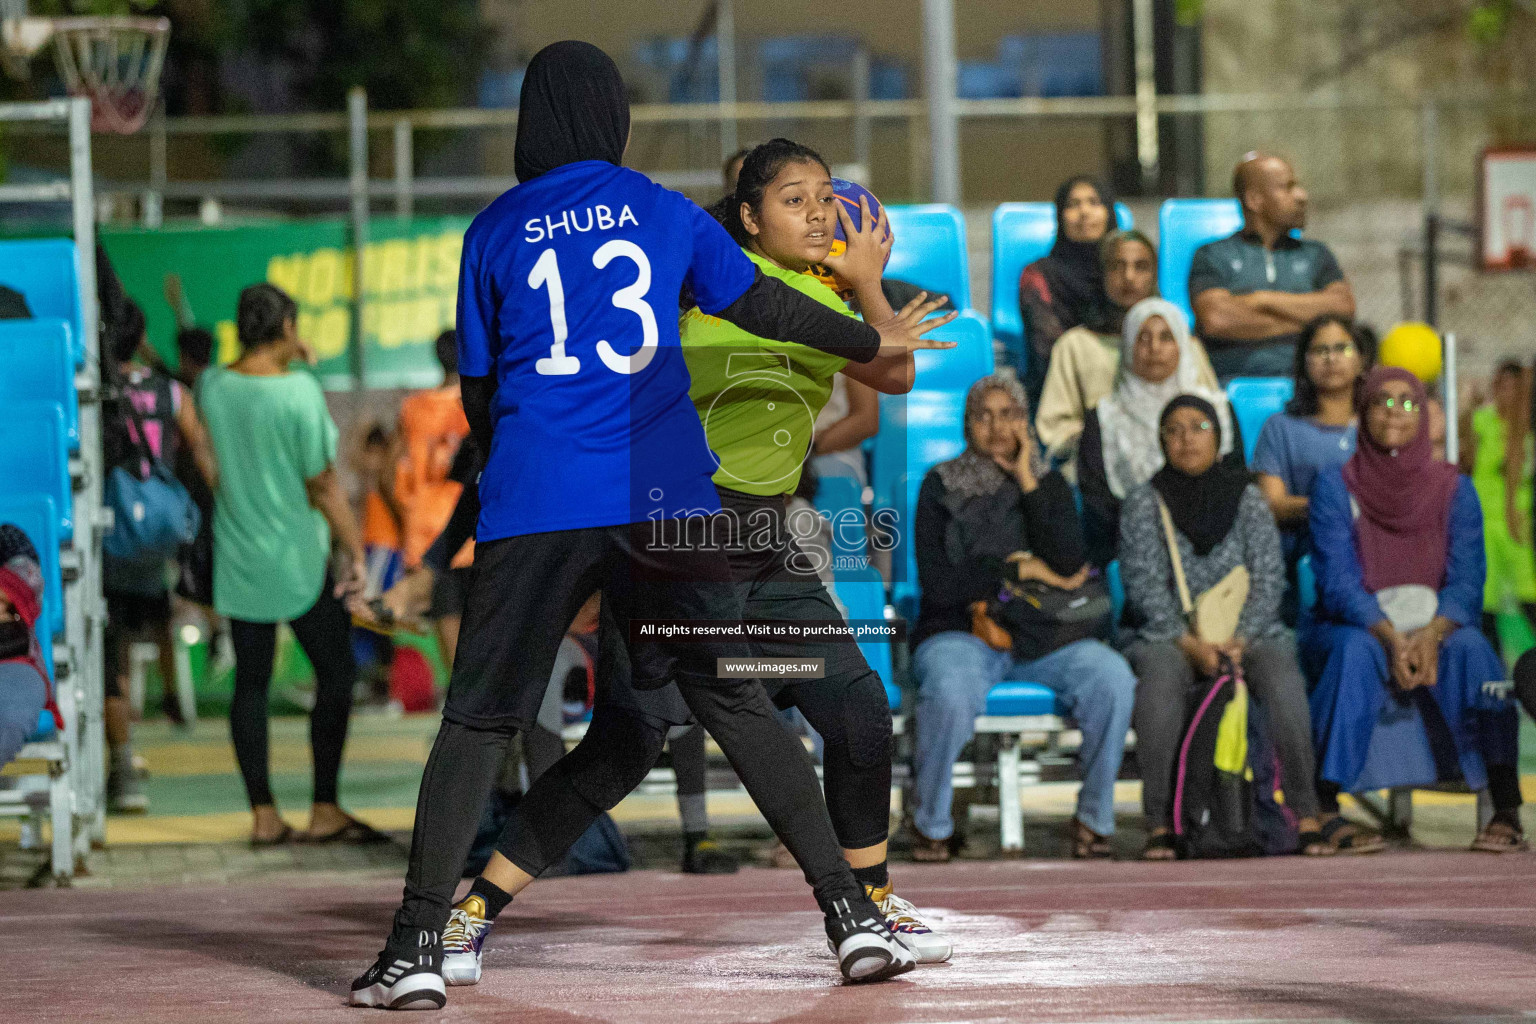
x,y
865,948
404,981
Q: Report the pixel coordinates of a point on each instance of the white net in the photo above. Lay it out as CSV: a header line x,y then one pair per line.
x,y
116,62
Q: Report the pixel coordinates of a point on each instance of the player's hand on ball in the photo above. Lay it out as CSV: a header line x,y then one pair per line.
x,y
905,332
863,261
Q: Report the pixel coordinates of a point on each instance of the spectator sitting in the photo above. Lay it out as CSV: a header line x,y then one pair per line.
x,y
1065,288
1397,545
976,514
278,507
850,417
1254,291
1221,522
1506,510
25,690
1317,429
1119,450
1084,361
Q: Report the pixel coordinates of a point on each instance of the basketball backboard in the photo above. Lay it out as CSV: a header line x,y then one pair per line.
x,y
1506,208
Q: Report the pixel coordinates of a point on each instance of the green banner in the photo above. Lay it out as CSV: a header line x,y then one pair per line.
x,y
410,287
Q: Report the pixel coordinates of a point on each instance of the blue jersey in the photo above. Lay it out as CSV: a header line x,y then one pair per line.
x,y
568,293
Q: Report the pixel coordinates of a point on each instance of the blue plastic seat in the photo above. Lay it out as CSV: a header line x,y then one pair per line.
x,y
1183,226
1016,698
930,250
46,271
1116,591
956,369
862,593
916,430
1021,234
836,494
46,730
37,517
1254,400
34,457
39,361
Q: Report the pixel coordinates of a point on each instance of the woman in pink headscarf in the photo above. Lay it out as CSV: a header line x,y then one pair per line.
x,y
1397,548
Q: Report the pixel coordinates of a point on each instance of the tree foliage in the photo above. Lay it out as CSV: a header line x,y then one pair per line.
x,y
406,53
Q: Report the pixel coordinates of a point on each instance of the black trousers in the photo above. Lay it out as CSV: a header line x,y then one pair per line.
x,y
848,707
524,592
325,634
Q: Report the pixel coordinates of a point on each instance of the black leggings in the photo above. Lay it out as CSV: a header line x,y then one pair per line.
x,y
620,747
324,632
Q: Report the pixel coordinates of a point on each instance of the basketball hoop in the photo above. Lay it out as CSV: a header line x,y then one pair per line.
x,y
115,61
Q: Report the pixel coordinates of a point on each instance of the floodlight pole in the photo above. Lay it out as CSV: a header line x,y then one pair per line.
x,y
357,138
1143,30
1452,401
939,82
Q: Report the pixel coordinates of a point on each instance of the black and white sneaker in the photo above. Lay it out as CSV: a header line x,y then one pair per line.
x,y
404,981
865,948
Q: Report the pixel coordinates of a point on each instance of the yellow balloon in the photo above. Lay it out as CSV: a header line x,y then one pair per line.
x,y
1416,348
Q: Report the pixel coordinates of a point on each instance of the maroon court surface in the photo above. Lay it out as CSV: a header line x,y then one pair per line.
x,y
1404,936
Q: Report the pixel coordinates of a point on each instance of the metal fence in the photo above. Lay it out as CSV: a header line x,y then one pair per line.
x,y
1379,169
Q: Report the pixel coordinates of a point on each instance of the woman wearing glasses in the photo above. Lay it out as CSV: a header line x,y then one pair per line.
x,y
1397,545
1315,432
1221,522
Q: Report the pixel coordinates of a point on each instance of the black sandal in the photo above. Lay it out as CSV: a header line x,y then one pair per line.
x,y
1356,842
1088,844
1500,837
282,838
353,833
1161,846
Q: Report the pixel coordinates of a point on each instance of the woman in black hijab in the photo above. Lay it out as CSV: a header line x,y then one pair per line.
x,y
1065,288
1220,521
573,108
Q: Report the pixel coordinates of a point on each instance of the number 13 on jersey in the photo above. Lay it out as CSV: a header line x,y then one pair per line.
x,y
546,274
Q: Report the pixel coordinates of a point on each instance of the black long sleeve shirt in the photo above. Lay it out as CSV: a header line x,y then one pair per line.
x,y
963,544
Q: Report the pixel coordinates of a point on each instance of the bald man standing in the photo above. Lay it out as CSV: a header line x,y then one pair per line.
x,y
1254,291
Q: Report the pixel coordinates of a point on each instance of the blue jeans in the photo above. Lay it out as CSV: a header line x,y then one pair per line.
x,y
22,696
954,672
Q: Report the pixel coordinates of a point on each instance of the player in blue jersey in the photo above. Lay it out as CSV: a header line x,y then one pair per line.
x,y
598,478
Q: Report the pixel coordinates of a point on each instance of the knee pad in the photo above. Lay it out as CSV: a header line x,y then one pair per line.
x,y
614,757
866,722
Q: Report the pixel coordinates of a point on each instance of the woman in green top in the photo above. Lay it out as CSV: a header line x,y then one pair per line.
x,y
277,508
1506,515
759,401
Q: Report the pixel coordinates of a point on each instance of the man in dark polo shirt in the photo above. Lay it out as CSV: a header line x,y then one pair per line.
x,y
1253,292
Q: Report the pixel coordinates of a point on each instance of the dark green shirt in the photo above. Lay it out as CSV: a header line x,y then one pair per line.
x,y
1242,265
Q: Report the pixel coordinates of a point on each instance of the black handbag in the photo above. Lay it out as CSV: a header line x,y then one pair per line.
x,y
1040,618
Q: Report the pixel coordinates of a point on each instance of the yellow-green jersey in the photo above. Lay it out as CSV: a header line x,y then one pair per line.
x,y
758,399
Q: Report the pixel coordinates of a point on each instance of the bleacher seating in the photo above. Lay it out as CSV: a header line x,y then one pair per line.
x,y
930,250
862,593
956,369
1184,225
38,357
41,464
1021,234
1254,400
37,435
46,272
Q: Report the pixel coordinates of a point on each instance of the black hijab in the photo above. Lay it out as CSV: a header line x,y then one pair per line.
x,y
1203,507
573,107
1073,271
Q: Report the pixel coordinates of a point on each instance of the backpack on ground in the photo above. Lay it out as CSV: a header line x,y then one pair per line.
x,y
1224,782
